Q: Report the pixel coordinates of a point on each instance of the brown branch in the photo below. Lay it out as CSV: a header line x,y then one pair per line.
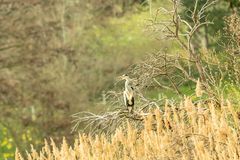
x,y
9,47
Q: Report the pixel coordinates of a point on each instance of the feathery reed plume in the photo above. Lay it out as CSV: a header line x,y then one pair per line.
x,y
181,132
198,89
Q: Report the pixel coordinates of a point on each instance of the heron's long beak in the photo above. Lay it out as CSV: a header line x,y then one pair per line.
x,y
120,78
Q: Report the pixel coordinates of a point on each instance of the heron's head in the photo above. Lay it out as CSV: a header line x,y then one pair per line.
x,y
124,77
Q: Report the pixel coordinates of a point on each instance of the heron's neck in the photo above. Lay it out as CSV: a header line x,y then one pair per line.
x,y
126,83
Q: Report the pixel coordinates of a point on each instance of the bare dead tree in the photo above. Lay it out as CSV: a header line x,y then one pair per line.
x,y
183,31
166,70
174,29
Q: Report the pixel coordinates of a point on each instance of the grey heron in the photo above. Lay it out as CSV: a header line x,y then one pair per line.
x,y
128,93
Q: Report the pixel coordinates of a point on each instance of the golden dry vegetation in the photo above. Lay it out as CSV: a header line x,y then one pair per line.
x,y
187,131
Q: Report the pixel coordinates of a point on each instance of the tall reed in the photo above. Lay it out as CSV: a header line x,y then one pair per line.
x,y
187,131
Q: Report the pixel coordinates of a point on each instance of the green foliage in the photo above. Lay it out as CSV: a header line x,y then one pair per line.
x,y
232,92
121,35
7,146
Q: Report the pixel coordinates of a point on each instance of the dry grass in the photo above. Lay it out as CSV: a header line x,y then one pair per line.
x,y
185,132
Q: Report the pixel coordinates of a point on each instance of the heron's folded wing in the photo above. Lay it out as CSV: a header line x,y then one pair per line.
x,y
130,98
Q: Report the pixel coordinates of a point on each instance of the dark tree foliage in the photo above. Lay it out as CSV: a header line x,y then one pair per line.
x,y
216,14
233,4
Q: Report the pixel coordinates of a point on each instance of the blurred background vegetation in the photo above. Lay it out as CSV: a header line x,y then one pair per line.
x,y
60,57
